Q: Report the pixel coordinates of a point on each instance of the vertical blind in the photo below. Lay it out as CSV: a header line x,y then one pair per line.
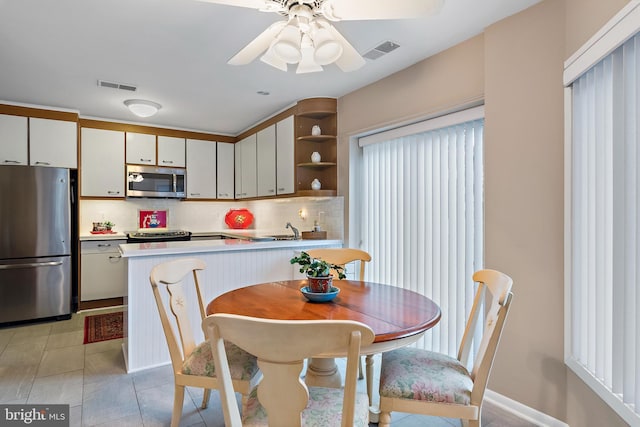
x,y
422,211
605,228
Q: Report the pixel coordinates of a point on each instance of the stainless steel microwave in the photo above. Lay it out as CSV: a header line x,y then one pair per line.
x,y
152,181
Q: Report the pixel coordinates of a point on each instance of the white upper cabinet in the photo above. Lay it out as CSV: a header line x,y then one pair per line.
x,y
171,151
141,148
285,170
13,140
246,163
102,163
266,161
53,143
201,169
224,170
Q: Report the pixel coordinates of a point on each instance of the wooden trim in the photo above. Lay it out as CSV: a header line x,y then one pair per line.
x,y
124,127
16,110
100,303
319,106
272,120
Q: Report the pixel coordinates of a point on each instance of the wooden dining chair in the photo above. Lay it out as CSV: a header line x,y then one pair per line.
x,y
342,257
430,383
193,364
282,398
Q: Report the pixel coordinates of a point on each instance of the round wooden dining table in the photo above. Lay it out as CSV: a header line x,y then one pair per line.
x,y
398,316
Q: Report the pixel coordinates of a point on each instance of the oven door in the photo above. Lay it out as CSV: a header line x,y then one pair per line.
x,y
145,181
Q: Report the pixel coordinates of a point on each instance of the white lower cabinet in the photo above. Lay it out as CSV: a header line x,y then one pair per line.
x,y
103,272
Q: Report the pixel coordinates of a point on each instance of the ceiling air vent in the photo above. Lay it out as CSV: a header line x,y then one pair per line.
x,y
381,49
114,85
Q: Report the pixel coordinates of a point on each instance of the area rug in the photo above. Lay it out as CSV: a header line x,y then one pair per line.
x,y
103,327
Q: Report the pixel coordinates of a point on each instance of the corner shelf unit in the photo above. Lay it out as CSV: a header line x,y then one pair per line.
x,y
323,113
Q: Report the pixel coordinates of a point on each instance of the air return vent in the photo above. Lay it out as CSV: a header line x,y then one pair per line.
x,y
381,49
115,85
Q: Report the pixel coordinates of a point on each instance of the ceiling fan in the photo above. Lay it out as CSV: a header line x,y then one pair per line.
x,y
306,36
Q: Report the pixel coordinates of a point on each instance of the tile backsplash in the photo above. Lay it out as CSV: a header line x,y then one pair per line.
x,y
270,216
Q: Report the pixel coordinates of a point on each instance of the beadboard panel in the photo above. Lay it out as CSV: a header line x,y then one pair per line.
x,y
145,342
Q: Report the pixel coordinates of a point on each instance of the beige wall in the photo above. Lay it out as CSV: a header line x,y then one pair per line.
x,y
521,81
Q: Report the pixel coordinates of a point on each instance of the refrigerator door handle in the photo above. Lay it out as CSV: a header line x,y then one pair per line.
x,y
30,265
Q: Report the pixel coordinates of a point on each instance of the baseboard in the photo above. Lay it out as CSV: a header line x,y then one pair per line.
x,y
539,418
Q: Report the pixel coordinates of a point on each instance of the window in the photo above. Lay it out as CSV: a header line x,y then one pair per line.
x,y
420,214
602,231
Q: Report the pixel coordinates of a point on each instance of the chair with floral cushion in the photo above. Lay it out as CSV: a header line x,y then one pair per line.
x,y
282,398
429,383
193,364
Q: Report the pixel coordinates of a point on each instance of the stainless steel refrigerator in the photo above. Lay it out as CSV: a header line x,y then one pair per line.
x,y
35,243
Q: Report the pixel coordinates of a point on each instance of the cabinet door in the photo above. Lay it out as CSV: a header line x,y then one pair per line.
x,y
171,151
247,162
141,149
103,272
13,140
266,161
53,143
201,169
225,170
102,163
285,163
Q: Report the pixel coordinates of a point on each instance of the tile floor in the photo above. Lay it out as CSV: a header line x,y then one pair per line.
x,y
47,363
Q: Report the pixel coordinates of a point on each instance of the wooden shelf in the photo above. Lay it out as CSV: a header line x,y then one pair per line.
x,y
318,165
317,193
316,138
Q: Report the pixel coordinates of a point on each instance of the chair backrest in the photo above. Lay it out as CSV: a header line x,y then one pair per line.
x,y
493,299
341,256
170,275
281,347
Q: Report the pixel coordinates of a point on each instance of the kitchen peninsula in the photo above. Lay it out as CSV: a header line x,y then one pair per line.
x,y
231,264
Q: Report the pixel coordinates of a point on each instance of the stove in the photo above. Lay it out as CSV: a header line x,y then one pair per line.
x,y
158,236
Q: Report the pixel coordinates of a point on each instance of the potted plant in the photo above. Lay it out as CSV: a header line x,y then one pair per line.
x,y
318,272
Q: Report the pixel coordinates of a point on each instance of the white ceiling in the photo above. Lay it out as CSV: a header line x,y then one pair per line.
x,y
52,53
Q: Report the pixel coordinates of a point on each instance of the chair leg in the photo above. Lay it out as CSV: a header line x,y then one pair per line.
x,y
178,400
369,364
384,419
472,423
360,370
205,398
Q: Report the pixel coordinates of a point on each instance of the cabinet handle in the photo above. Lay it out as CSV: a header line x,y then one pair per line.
x,y
43,163
168,161
271,191
194,194
281,189
112,192
12,161
145,160
115,256
104,245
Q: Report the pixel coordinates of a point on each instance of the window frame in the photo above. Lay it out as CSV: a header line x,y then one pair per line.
x,y
612,35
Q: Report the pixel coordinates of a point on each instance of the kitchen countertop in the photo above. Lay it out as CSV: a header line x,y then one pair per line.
x,y
112,236
233,234
130,250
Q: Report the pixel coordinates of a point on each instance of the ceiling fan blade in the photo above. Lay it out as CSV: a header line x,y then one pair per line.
x,y
350,59
345,10
253,4
257,45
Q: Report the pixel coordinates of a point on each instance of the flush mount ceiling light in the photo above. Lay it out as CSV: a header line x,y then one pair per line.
x,y
307,38
142,108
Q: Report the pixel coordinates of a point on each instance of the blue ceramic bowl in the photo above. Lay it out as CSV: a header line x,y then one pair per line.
x,y
320,297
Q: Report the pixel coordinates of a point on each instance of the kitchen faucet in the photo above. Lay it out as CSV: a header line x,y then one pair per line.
x,y
296,233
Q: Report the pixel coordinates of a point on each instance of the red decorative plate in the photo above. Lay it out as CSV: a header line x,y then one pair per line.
x,y
238,218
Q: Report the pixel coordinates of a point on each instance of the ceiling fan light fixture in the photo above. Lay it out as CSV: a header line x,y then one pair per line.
x,y
287,45
142,108
272,59
327,49
307,63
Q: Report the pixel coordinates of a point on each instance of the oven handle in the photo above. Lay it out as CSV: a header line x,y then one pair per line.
x,y
30,265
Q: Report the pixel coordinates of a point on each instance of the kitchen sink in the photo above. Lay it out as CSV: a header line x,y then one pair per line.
x,y
283,237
